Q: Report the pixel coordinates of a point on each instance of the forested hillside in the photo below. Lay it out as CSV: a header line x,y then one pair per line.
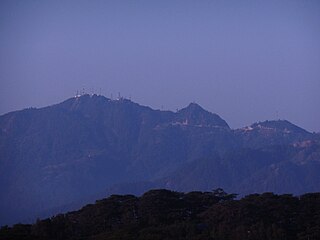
x,y
164,214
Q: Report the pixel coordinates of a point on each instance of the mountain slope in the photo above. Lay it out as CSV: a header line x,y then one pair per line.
x,y
80,148
285,169
59,154
280,169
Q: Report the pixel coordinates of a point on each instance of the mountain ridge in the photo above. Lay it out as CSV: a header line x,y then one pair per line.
x,y
191,107
56,155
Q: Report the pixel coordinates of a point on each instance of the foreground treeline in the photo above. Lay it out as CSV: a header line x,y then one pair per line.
x,y
163,214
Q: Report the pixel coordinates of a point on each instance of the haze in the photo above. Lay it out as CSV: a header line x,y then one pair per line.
x,y
244,60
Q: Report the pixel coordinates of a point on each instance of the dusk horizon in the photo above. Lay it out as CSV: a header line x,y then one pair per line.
x,y
245,60
116,97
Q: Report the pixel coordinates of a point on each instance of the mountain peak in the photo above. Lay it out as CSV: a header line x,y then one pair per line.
x,y
90,102
195,115
194,106
280,125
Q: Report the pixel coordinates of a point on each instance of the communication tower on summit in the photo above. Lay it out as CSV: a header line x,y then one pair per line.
x,y
119,96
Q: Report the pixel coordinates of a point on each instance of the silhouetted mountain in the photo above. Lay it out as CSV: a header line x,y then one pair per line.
x,y
77,150
163,214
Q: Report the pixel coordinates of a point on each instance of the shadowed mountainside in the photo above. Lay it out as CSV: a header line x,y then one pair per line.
x,y
89,145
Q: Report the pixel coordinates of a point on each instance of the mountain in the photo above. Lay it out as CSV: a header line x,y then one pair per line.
x,y
89,145
195,115
279,169
268,133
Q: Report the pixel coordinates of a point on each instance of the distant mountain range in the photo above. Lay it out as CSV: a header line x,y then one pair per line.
x,y
89,146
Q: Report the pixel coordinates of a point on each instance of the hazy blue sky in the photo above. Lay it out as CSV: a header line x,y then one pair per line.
x,y
245,60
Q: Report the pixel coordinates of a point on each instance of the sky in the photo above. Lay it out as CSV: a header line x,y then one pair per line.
x,y
247,61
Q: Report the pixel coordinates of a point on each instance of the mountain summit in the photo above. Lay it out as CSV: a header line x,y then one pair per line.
x,y
194,114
